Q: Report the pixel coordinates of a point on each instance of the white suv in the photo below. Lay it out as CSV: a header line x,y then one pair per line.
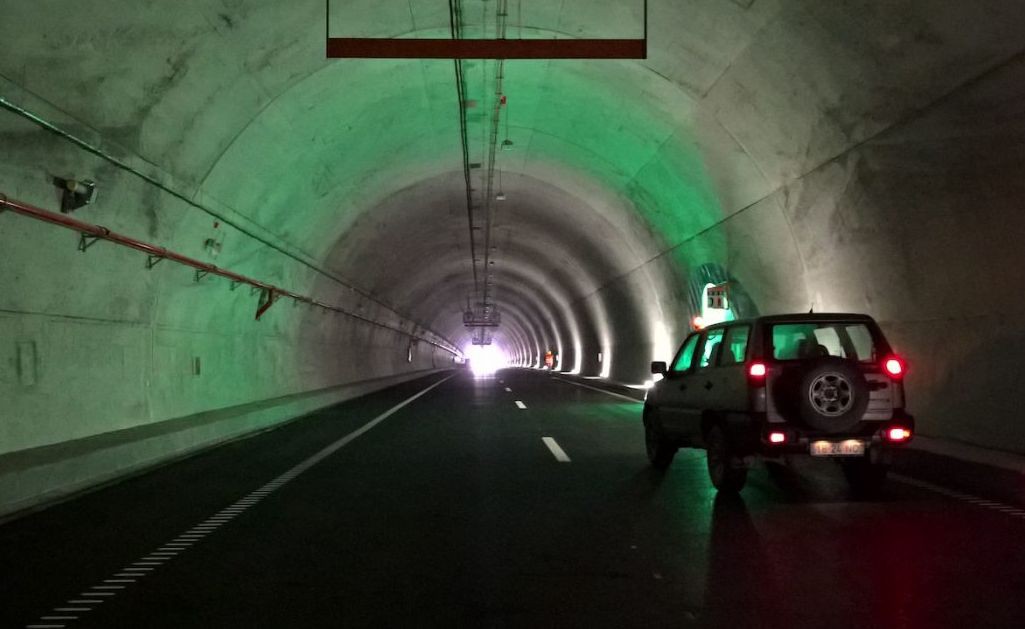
x,y
821,385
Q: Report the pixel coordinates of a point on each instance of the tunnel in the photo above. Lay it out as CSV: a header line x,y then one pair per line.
x,y
215,230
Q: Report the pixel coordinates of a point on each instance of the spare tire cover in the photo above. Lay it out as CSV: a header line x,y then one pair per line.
x,y
832,395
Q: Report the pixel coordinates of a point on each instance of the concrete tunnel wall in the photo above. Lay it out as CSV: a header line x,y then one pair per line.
x,y
851,158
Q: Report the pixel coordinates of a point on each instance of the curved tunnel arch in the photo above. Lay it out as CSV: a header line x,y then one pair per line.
x,y
804,149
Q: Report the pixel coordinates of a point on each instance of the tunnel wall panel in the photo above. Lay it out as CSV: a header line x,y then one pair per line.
x,y
922,228
93,342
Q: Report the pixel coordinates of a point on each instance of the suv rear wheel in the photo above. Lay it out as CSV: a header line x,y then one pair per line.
x,y
660,449
832,395
726,470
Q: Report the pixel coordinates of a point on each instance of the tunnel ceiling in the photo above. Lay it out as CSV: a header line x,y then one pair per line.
x,y
615,163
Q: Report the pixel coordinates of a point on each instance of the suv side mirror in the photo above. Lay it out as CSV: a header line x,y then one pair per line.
x,y
659,367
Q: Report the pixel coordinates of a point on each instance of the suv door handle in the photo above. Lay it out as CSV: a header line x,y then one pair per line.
x,y
708,386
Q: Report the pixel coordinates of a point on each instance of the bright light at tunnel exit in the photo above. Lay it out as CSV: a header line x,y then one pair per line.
x,y
485,359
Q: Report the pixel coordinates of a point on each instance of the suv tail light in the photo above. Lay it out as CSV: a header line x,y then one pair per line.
x,y
777,437
756,373
897,434
894,367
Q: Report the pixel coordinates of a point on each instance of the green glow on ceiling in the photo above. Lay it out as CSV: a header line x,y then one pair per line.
x,y
354,132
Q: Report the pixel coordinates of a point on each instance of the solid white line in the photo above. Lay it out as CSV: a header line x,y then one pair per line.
x,y
78,601
618,395
521,404
169,551
559,454
359,432
71,609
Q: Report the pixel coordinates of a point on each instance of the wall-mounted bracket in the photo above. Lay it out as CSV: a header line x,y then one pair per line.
x,y
152,261
235,284
84,242
266,301
201,274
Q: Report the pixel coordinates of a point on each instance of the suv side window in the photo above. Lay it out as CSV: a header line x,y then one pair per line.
x,y
685,357
735,347
712,341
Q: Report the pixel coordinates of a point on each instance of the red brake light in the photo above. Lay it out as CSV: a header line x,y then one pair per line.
x,y
757,370
894,367
898,434
777,437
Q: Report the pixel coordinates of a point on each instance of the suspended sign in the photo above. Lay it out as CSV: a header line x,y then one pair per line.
x,y
718,297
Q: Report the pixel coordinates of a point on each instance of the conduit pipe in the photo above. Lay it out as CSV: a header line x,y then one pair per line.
x,y
271,292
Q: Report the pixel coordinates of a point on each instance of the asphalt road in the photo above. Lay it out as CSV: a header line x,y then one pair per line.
x,y
464,508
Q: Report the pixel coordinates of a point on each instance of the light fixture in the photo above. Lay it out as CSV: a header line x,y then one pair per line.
x,y
501,194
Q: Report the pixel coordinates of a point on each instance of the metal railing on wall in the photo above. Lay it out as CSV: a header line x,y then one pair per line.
x,y
90,234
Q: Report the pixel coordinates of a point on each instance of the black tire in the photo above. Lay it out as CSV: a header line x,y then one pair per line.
x,y
660,449
726,470
832,395
864,477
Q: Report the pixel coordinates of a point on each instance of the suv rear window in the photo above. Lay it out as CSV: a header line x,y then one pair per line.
x,y
800,341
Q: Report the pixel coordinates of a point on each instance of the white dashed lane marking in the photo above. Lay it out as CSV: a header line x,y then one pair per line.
x,y
521,404
963,497
169,551
559,454
508,390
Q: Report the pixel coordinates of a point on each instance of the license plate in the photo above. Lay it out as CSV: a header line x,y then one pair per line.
x,y
851,447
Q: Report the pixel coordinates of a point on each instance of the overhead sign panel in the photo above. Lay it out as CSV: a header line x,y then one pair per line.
x,y
381,48
461,47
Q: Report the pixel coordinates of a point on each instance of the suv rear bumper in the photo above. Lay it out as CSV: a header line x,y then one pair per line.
x,y
874,435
